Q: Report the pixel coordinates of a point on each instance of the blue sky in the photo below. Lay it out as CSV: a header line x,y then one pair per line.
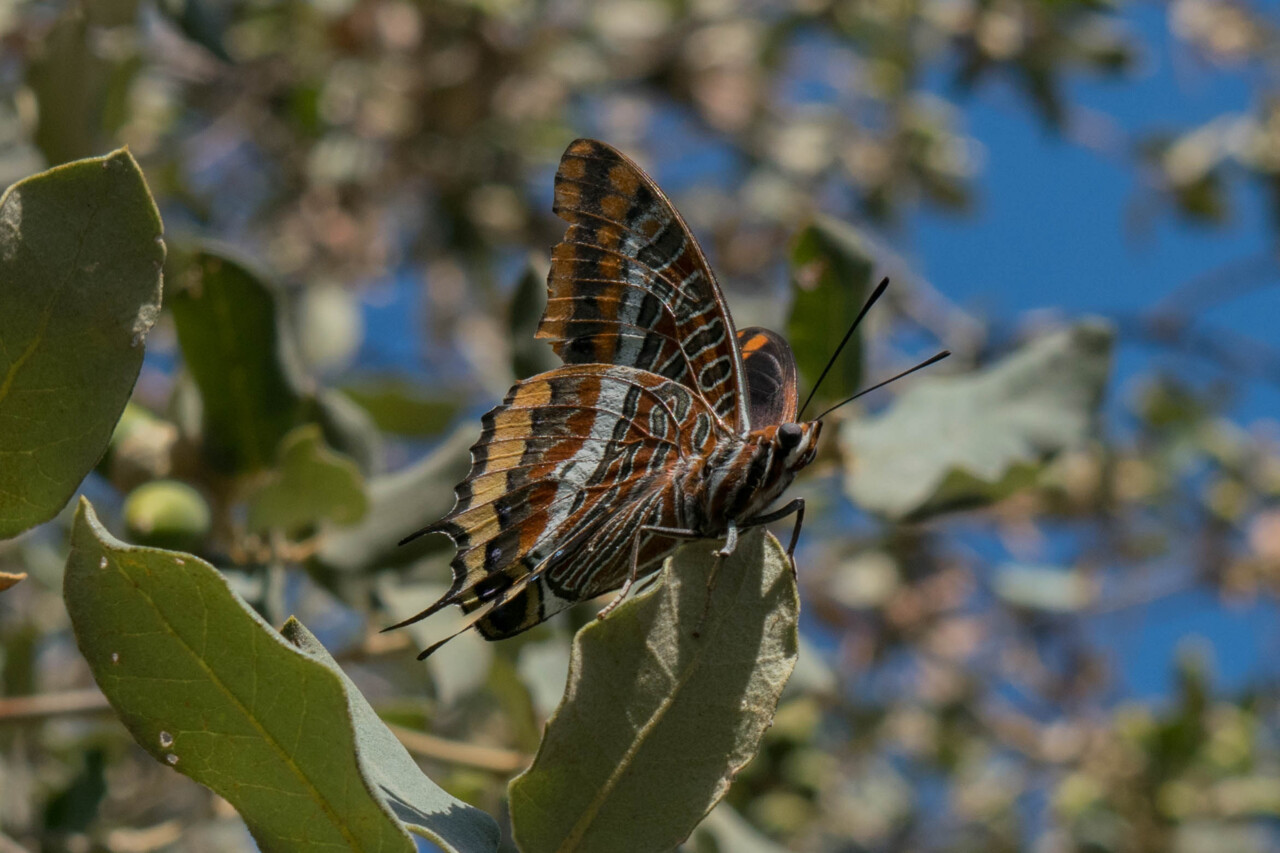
x,y
1051,231
1052,226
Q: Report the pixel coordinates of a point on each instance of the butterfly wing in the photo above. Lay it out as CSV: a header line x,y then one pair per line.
x,y
570,466
773,388
629,284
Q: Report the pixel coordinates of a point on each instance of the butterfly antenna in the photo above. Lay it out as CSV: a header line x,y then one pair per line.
x,y
939,357
847,335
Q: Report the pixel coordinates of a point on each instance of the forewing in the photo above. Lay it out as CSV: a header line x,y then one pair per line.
x,y
773,389
567,454
629,284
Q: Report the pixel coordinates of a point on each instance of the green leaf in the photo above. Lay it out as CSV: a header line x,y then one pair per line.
x,y
655,722
726,831
401,504
1045,588
312,484
207,687
167,514
80,261
404,408
202,21
74,808
69,80
831,268
951,442
465,668
349,429
530,356
543,667
393,774
239,353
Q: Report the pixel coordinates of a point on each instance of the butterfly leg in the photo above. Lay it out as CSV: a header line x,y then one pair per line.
x,y
670,533
796,506
730,541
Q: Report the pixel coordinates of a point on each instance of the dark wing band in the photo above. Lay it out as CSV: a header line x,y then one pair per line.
x,y
629,284
574,457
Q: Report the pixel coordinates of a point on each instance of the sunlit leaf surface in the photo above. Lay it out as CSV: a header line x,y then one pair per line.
x,y
80,261
208,688
311,484
656,721
401,504
950,442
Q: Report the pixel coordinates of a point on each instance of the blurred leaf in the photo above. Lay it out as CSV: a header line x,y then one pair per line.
x,y
207,687
544,668
167,514
1204,199
202,21
311,484
400,504
866,580
872,803
1220,836
465,668
19,156
1045,588
328,325
726,831
831,268
695,708
530,356
951,442
141,449
67,78
404,408
1039,78
74,809
813,675
80,257
237,350
349,430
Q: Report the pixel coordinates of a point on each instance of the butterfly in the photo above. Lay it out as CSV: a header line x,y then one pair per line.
x,y
664,424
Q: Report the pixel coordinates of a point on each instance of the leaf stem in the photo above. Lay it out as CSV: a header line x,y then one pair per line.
x,y
15,709
454,752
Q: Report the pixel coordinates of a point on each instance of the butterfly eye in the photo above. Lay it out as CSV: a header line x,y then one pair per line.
x,y
789,435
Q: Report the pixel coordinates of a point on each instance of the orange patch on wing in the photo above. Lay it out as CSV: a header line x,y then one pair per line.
x,y
624,179
572,165
532,394
609,236
615,207
610,266
489,486
512,423
568,196
481,524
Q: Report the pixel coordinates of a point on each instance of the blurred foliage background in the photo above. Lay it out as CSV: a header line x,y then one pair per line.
x,y
377,177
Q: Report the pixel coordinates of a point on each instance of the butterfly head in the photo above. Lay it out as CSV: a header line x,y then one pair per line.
x,y
797,443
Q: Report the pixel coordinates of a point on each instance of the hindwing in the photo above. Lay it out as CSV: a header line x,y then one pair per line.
x,y
629,284
565,472
773,389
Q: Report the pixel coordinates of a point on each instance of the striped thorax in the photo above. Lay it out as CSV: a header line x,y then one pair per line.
x,y
744,475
